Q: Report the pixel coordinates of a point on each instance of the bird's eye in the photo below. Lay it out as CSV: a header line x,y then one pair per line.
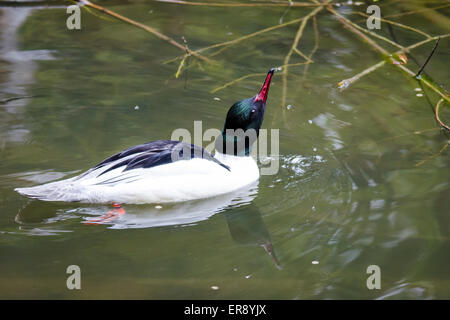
x,y
253,110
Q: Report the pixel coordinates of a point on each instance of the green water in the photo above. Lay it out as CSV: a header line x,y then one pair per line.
x,y
352,190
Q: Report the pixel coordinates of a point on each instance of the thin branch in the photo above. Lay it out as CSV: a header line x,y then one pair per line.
x,y
94,13
180,66
365,30
144,27
395,24
44,3
226,85
235,41
187,55
316,46
386,54
301,54
436,115
288,57
418,44
267,4
16,98
434,155
237,80
417,132
294,46
240,39
285,12
415,11
428,59
344,84
433,16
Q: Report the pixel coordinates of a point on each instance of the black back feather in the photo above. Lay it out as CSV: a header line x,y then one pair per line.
x,y
156,153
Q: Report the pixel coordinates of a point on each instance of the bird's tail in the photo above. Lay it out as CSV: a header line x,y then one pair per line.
x,y
64,190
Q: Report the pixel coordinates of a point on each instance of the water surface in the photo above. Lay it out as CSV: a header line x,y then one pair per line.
x,y
352,190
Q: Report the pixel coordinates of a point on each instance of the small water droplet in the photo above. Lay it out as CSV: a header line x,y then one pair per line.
x,y
158,207
289,107
313,208
419,95
315,149
216,98
136,107
315,262
215,287
247,277
230,33
310,121
418,89
234,269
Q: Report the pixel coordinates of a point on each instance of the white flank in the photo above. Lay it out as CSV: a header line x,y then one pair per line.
x,y
178,181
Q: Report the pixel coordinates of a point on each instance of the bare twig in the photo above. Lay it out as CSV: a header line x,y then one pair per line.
x,y
347,82
415,11
187,55
344,84
240,39
433,16
285,12
316,46
287,58
294,48
266,4
180,66
301,54
390,58
417,132
46,3
436,115
434,155
237,80
226,85
373,34
418,44
144,27
16,98
428,59
395,24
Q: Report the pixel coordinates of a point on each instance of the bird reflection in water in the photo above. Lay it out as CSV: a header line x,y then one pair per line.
x,y
243,217
247,228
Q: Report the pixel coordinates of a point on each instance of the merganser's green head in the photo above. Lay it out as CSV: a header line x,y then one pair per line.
x,y
243,122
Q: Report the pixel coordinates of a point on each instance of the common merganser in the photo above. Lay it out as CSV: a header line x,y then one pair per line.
x,y
165,171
